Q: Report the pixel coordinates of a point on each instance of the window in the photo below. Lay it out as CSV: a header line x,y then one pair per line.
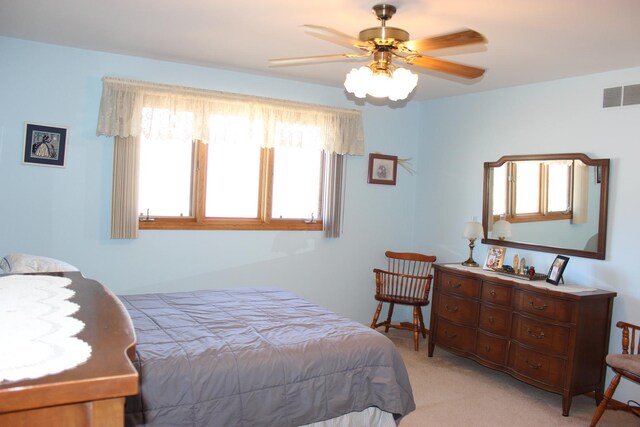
x,y
214,185
230,183
527,191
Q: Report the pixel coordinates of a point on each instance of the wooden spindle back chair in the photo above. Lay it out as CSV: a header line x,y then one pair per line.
x,y
625,365
406,281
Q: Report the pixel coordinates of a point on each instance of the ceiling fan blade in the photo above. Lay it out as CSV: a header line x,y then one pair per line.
x,y
460,38
319,58
345,38
443,66
368,46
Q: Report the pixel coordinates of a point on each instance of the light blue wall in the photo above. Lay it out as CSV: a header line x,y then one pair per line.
x,y
565,116
65,213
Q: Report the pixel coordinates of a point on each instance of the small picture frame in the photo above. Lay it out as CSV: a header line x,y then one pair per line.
x,y
557,268
44,145
495,257
382,169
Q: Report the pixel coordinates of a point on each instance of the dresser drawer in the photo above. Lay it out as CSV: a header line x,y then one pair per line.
x,y
496,294
457,337
459,310
492,349
459,285
545,306
543,336
540,367
494,319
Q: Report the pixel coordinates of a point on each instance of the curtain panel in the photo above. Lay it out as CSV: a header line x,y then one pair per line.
x,y
123,102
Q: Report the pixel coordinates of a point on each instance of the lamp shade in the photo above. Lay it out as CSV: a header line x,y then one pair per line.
x,y
396,86
502,229
473,230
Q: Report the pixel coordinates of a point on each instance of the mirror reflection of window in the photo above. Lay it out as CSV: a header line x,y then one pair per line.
x,y
533,190
527,187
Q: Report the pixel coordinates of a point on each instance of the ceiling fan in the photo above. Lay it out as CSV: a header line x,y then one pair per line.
x,y
384,44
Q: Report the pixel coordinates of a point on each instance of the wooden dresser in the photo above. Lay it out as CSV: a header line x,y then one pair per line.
x,y
553,340
91,394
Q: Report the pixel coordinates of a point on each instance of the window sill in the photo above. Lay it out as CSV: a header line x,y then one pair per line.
x,y
225,224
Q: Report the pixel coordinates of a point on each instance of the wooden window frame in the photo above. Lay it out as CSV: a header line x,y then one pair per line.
x,y
263,221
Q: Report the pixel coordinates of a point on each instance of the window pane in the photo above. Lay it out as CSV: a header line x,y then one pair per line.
x,y
165,177
527,187
296,183
559,181
233,179
500,190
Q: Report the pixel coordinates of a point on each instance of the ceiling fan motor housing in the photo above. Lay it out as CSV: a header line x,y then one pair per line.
x,y
384,36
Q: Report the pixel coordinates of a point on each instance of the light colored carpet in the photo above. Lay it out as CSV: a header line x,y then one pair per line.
x,y
454,391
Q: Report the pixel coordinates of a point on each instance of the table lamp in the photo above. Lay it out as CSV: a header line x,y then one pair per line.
x,y
472,230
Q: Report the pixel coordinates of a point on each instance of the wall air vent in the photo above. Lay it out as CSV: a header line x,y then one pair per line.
x,y
631,95
621,96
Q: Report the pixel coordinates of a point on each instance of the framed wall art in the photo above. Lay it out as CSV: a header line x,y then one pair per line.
x,y
557,268
382,169
495,257
44,145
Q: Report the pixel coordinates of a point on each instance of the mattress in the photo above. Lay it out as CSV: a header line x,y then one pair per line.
x,y
257,357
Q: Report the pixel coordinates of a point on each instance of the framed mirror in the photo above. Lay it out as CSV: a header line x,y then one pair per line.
x,y
550,203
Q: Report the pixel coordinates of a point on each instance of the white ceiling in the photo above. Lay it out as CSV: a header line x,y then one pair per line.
x,y
529,40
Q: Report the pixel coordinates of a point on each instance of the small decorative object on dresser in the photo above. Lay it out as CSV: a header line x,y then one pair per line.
x,y
44,145
495,257
552,339
382,169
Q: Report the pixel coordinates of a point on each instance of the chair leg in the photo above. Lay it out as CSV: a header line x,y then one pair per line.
x,y
605,400
416,326
376,315
388,322
423,329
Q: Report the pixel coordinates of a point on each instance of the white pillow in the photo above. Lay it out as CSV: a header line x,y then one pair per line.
x,y
24,263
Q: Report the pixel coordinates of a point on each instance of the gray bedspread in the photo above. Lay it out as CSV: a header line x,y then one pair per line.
x,y
256,357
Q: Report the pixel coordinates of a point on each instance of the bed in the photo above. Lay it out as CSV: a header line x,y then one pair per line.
x,y
255,357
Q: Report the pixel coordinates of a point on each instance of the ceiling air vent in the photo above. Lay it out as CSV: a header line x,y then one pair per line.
x,y
621,96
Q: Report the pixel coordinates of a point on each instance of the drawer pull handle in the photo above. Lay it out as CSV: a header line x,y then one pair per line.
x,y
492,320
487,348
451,285
448,335
536,336
451,310
492,292
538,307
532,366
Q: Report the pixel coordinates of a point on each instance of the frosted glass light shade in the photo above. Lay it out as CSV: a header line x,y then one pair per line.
x,y
362,82
502,229
473,230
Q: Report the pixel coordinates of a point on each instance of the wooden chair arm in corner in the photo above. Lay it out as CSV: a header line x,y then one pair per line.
x,y
625,337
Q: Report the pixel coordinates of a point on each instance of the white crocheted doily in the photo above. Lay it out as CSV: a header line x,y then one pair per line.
x,y
37,332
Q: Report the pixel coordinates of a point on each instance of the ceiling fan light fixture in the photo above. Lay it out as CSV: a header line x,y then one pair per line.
x,y
381,83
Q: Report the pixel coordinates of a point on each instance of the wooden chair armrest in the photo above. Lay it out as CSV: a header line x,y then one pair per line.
x,y
622,324
408,276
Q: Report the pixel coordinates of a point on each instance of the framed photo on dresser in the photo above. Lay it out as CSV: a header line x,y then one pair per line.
x,y
557,268
495,257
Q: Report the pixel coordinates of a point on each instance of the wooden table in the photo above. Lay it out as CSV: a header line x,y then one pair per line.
x,y
92,393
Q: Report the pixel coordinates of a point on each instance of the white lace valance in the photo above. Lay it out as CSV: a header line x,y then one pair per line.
x,y
124,102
